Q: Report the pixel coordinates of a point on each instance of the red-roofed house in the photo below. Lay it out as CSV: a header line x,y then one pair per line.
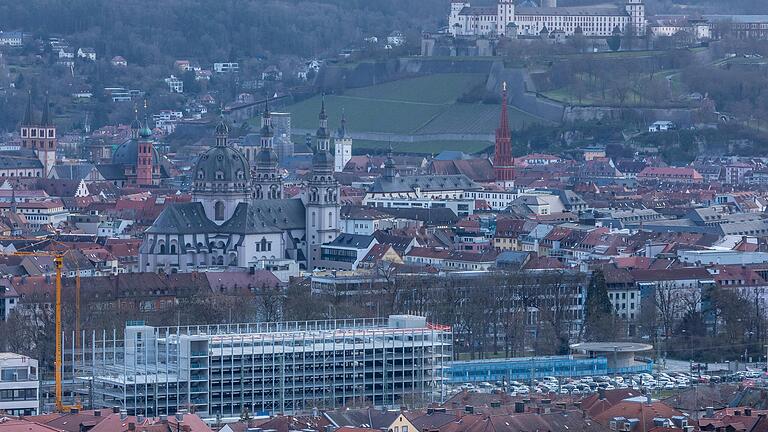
x,y
670,175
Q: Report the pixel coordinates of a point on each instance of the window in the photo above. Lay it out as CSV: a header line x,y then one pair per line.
x,y
330,219
219,210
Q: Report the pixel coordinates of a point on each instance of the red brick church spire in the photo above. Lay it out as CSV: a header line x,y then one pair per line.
x,y
503,163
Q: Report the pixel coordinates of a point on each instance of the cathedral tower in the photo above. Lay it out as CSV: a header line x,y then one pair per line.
x,y
268,183
321,195
144,165
342,146
505,15
40,137
503,163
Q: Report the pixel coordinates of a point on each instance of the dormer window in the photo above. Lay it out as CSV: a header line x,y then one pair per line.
x,y
200,175
219,175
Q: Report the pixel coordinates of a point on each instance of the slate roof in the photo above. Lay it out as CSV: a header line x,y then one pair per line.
x,y
15,159
573,11
424,183
183,218
480,170
266,216
356,241
73,171
399,243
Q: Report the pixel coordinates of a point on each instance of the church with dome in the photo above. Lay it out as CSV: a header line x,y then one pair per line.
x,y
240,218
136,161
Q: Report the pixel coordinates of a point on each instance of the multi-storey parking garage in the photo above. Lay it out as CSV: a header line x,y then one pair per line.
x,y
275,367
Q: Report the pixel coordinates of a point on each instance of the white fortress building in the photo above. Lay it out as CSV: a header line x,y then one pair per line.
x,y
507,19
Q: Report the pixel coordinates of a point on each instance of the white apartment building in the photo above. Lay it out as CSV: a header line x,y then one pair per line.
x,y
226,67
175,85
40,212
461,207
19,386
507,19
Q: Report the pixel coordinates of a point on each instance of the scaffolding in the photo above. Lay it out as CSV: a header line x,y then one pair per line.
x,y
267,368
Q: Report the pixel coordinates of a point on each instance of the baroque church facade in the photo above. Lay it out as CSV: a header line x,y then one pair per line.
x,y
241,219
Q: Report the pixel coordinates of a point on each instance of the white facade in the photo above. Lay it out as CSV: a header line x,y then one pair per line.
x,y
19,385
506,19
86,53
342,153
497,200
461,207
175,85
12,39
226,67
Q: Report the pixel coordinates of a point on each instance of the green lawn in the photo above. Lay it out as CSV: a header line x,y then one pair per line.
x,y
366,115
424,147
438,89
415,106
401,106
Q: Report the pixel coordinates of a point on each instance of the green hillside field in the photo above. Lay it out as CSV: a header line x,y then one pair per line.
x,y
414,106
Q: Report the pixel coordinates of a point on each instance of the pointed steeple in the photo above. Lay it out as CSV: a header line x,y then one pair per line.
x,y
342,133
503,162
28,115
46,119
389,166
267,131
135,124
322,135
146,130
504,120
322,161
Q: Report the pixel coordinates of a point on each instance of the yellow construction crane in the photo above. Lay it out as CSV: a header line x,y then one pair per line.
x,y
58,260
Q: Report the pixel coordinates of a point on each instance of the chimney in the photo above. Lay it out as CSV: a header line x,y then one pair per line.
x,y
123,415
131,426
140,419
601,393
710,412
737,413
179,416
97,413
115,409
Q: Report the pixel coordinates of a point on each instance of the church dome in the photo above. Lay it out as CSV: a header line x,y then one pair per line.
x,y
222,128
322,161
266,158
127,153
222,168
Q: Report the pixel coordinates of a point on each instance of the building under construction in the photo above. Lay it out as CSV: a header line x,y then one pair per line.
x,y
288,367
